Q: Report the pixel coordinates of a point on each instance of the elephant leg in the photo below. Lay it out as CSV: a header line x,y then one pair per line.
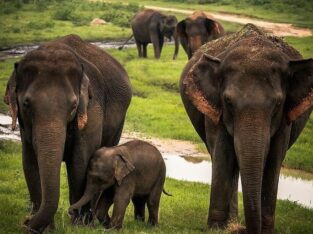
x,y
145,49
161,41
155,39
77,165
224,188
270,181
32,177
153,202
139,48
139,207
121,200
103,206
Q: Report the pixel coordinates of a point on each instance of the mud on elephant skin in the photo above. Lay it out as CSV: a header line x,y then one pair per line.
x,y
248,96
196,30
151,26
132,171
70,98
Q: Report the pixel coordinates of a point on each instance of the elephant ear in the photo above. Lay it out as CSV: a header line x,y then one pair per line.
x,y
85,95
202,87
300,92
122,167
10,97
181,33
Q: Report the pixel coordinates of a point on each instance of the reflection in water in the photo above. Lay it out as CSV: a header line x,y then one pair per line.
x,y
292,189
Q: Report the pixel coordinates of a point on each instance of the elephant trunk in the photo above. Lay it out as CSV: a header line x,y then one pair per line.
x,y
88,195
48,143
251,140
176,40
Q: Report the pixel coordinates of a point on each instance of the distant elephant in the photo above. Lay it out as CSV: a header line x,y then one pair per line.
x,y
70,98
248,96
196,30
151,26
134,170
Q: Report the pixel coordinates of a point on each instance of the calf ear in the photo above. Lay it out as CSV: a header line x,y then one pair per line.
x,y
85,95
10,97
300,91
122,166
202,87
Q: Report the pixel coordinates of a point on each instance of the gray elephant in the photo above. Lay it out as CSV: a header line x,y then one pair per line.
x,y
151,26
70,98
248,96
132,171
196,30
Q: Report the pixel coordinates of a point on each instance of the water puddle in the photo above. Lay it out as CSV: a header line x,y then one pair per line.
x,y
290,188
19,51
5,129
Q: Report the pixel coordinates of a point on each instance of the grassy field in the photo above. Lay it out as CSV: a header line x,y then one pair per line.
x,y
185,212
34,23
156,108
298,12
30,23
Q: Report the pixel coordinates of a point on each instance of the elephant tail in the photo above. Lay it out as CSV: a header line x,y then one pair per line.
x,y
166,193
122,46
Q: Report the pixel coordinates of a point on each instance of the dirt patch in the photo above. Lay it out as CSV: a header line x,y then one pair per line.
x,y
278,29
167,146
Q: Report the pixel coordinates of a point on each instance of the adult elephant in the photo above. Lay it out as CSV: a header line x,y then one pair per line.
x,y
151,26
248,96
196,30
70,98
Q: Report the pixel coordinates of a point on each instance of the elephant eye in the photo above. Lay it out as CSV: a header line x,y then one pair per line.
x,y
227,100
26,103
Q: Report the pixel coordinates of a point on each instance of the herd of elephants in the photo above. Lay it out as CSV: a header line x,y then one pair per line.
x,y
248,96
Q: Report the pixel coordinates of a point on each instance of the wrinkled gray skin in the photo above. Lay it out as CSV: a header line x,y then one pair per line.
x,y
248,97
151,26
196,30
132,171
70,98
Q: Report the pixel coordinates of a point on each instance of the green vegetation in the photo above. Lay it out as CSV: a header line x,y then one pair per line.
x,y
298,12
45,20
185,212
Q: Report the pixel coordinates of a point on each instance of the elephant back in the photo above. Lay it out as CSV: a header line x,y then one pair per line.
x,y
216,47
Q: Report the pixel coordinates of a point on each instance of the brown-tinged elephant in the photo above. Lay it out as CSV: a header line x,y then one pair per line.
x,y
196,30
70,98
151,26
132,171
248,96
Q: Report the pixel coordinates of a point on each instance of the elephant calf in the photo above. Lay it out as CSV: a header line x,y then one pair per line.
x,y
134,170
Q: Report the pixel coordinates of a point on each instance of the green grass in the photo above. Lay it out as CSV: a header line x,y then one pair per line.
x,y
29,24
185,212
298,12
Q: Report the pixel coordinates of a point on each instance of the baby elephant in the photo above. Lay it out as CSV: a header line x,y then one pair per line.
x,y
134,170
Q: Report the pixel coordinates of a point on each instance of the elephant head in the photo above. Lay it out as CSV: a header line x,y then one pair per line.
x,y
253,89
168,29
48,92
108,166
196,30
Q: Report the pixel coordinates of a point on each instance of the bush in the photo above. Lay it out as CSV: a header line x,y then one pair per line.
x,y
120,14
62,13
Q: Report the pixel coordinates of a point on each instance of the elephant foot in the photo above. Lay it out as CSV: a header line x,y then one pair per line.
x,y
85,219
30,230
105,222
27,228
